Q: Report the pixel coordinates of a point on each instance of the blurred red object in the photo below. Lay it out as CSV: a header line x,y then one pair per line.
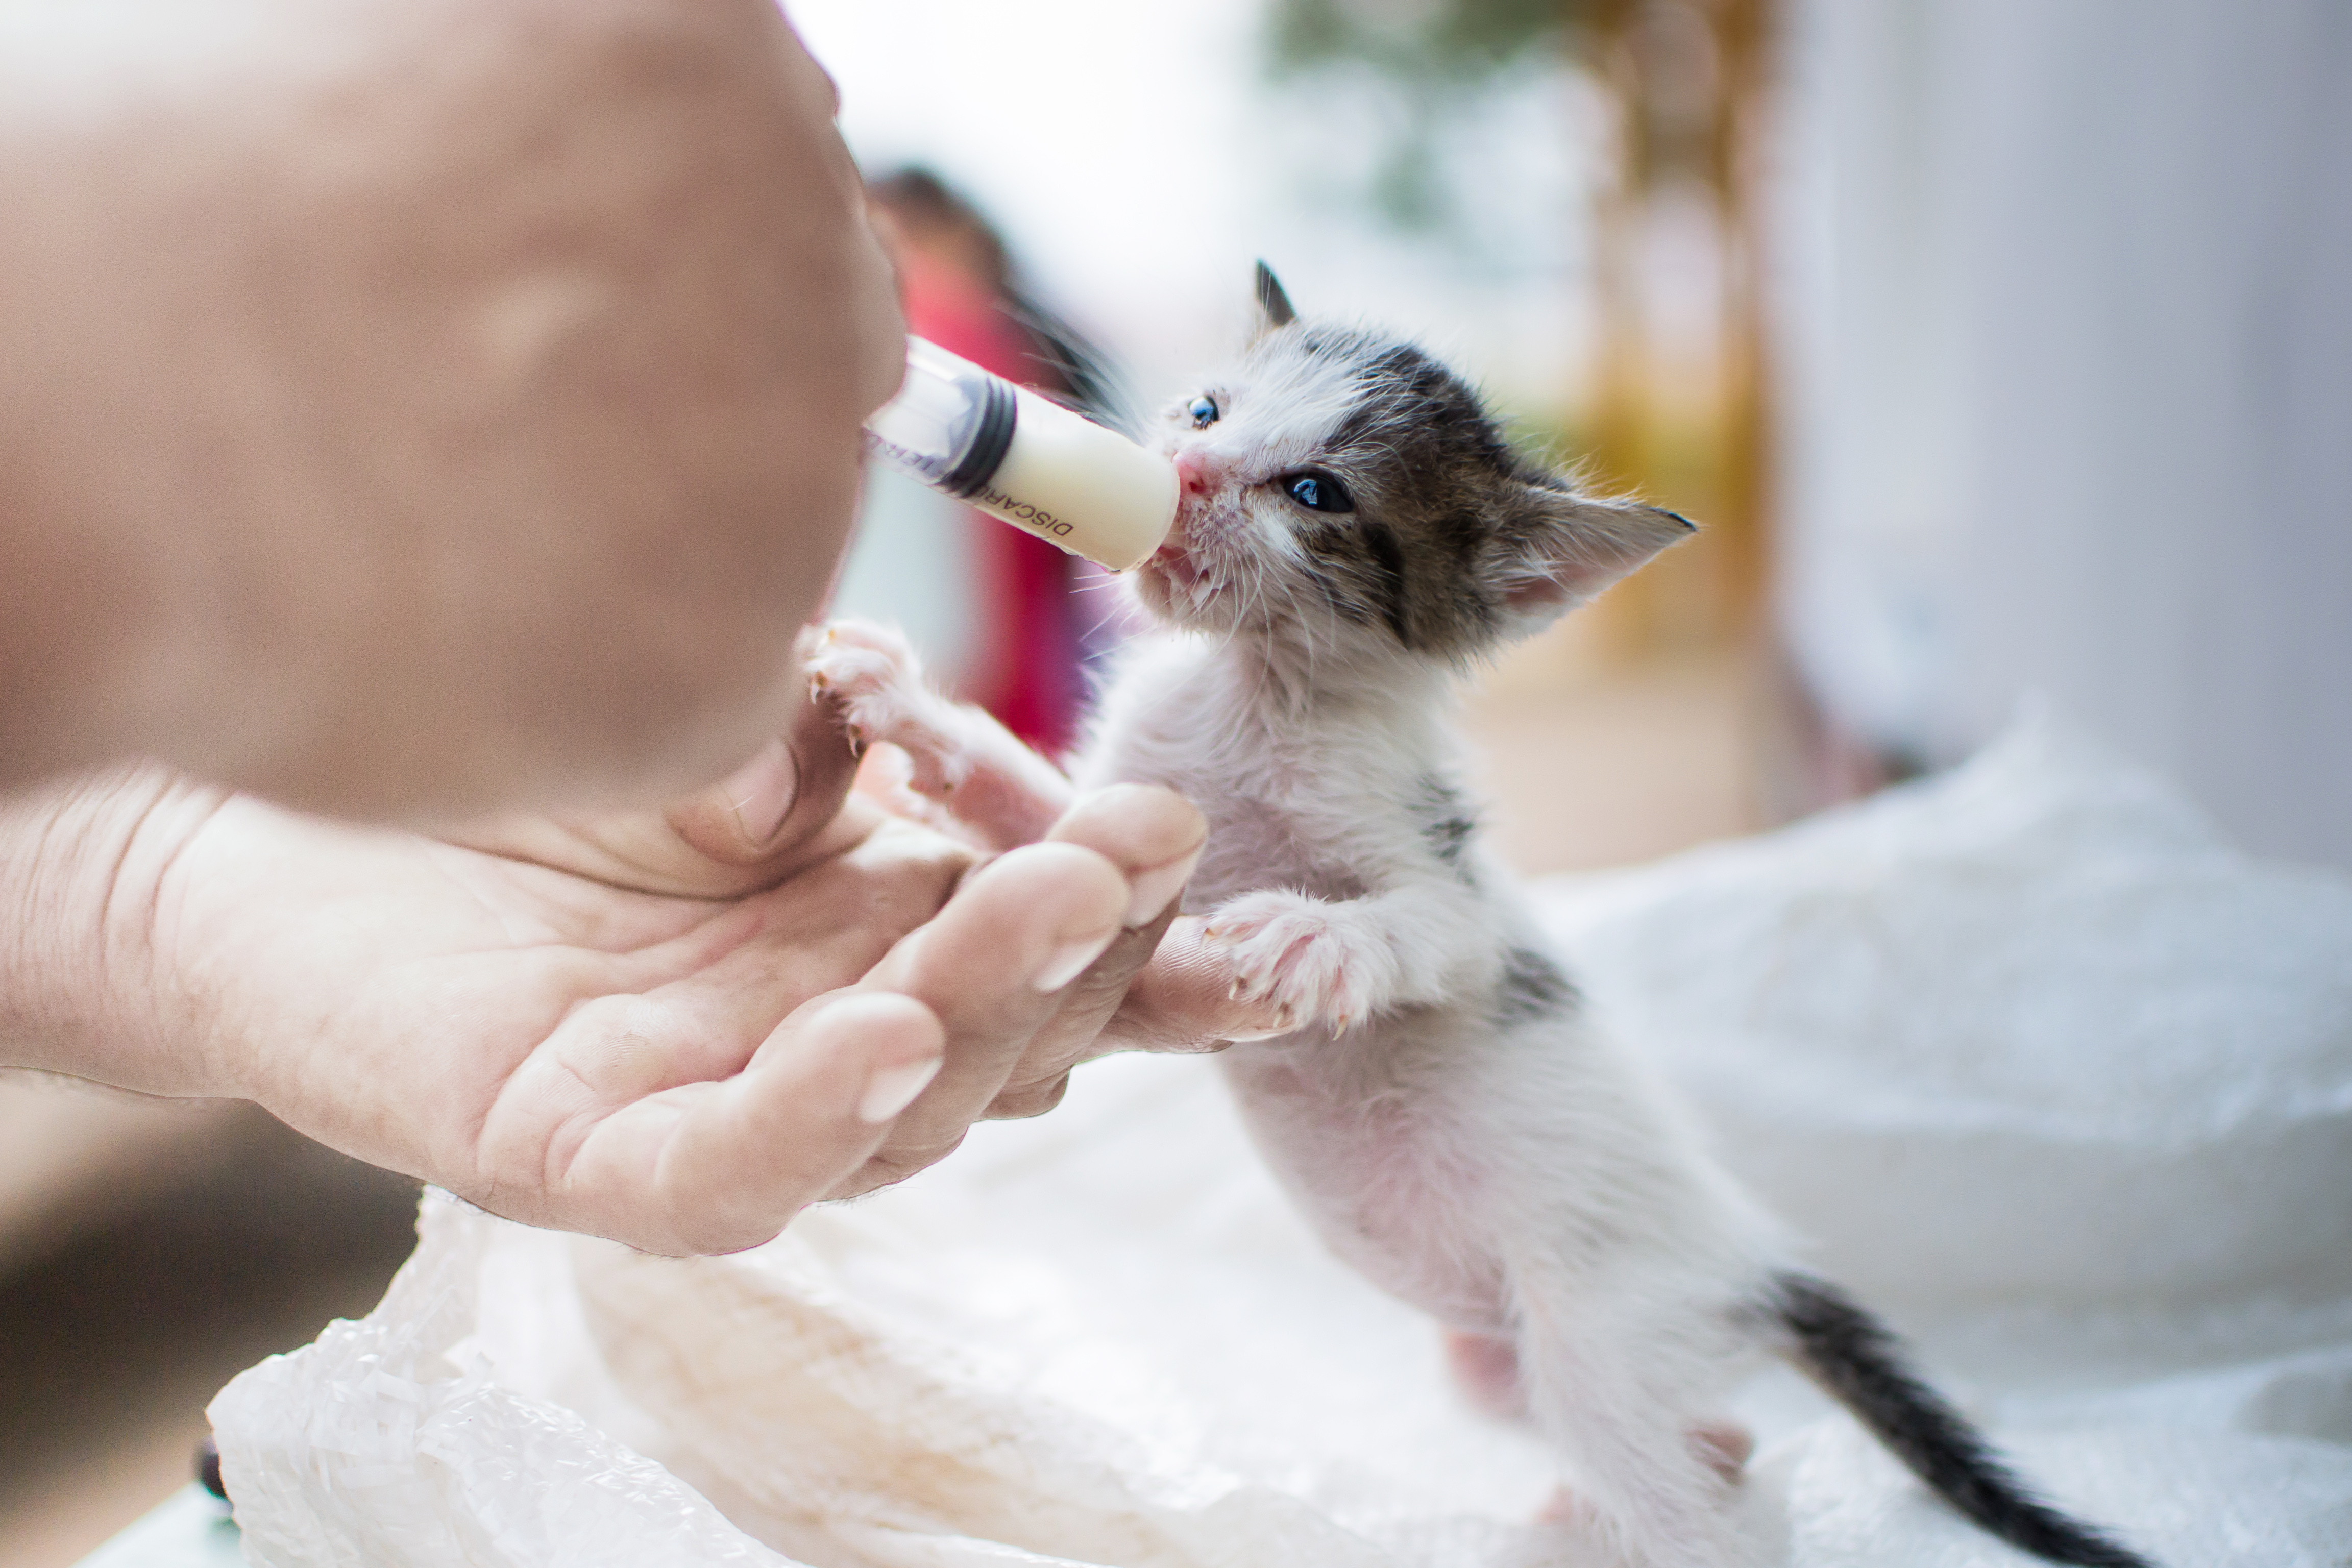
x,y
954,280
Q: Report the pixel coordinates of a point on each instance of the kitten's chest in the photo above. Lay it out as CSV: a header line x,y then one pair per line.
x,y
1256,842
1394,1181
1297,806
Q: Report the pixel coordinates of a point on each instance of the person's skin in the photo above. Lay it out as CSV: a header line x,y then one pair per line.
x,y
415,407
656,1026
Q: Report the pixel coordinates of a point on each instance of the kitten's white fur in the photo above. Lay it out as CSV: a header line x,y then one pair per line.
x,y
1523,1182
1437,1099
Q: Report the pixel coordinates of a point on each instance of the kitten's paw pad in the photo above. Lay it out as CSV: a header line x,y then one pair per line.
x,y
1725,1448
874,678
1567,1509
1485,1368
1303,955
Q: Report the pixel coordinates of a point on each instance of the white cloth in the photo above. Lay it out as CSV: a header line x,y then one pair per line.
x,y
2054,1079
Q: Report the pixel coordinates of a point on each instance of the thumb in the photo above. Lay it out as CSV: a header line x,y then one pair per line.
x,y
1182,1000
776,804
783,810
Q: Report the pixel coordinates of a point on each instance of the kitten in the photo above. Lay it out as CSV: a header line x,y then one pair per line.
x,y
1354,533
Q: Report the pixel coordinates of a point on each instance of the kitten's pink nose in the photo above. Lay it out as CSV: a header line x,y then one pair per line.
x,y
1199,473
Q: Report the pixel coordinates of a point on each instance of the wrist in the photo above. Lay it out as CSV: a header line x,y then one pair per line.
x,y
85,880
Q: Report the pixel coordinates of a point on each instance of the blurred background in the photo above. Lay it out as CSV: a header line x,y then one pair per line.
x,y
2003,347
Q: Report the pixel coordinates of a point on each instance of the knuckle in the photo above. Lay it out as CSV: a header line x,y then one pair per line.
x,y
895,1164
1035,1100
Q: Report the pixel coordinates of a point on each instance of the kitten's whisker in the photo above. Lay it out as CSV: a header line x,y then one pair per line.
x,y
1094,632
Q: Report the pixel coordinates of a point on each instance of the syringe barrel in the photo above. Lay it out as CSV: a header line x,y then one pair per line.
x,y
950,424
1017,457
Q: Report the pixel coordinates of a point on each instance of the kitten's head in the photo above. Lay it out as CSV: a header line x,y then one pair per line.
x,y
1342,488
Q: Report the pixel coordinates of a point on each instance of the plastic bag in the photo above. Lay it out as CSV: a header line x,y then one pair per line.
x,y
1968,1035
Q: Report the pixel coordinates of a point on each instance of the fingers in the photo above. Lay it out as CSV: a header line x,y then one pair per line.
x,y
771,813
718,1166
991,965
778,812
1169,988
1155,837
980,1010
1182,1000
1012,981
1018,1102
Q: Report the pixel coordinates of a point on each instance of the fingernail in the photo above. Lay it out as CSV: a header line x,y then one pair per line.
x,y
1155,888
762,792
1069,961
893,1089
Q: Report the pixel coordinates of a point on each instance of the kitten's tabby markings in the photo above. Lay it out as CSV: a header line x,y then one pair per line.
x,y
1445,819
1355,530
1533,986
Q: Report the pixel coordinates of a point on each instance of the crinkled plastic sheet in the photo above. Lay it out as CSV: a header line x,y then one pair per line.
x,y
2050,1074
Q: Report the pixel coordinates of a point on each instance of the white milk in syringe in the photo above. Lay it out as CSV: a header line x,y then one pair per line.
x,y
1015,455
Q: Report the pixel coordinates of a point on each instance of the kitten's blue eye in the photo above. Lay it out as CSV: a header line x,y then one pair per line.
x,y
1317,492
1203,412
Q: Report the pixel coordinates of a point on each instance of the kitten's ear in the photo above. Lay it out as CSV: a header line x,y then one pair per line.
x,y
1273,309
1569,547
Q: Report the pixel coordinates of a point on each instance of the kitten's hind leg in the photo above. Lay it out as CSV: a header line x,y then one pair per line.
x,y
1485,1369
1617,1408
1726,1446
962,758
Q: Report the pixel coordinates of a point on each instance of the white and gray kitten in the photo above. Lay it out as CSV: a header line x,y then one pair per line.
x,y
1354,534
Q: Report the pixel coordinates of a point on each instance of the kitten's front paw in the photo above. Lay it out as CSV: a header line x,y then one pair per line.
x,y
1310,958
872,673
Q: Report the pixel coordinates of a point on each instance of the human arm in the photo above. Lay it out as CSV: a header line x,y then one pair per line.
x,y
616,1023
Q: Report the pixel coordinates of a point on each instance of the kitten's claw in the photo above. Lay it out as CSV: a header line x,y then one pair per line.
x,y
1314,962
872,676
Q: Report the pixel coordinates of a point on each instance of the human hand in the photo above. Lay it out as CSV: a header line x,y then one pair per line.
x,y
413,408
672,1028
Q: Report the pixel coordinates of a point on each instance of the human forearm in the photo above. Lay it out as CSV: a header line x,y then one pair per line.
x,y
84,868
413,408
514,1021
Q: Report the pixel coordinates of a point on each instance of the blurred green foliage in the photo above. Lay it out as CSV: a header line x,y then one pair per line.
x,y
1450,41
1434,54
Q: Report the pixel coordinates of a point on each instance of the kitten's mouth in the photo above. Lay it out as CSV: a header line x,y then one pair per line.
x,y
1175,563
1191,570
